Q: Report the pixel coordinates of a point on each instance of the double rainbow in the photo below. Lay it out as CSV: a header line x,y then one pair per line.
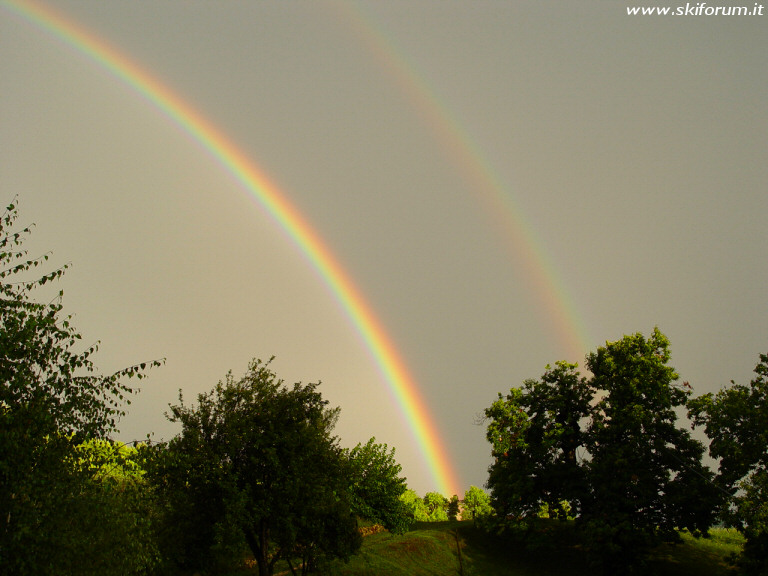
x,y
482,180
258,185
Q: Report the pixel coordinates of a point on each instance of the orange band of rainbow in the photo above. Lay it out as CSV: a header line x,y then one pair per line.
x,y
257,185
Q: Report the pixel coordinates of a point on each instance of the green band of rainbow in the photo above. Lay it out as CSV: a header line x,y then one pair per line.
x,y
255,182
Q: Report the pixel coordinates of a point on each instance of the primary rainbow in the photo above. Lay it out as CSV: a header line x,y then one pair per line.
x,y
482,179
256,183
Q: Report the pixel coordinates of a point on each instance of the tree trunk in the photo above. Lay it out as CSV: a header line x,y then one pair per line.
x,y
259,545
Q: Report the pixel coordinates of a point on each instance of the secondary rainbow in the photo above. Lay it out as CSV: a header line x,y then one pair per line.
x,y
259,186
482,179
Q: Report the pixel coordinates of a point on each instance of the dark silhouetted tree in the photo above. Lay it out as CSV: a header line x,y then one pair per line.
x,y
645,473
736,422
52,398
536,432
256,466
453,507
606,450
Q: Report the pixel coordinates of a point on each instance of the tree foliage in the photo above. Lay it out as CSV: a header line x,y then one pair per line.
x,y
535,433
255,466
415,505
52,398
736,422
454,507
437,507
433,507
606,450
376,486
116,524
477,502
645,473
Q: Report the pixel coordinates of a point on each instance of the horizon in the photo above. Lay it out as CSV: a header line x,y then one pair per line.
x,y
505,186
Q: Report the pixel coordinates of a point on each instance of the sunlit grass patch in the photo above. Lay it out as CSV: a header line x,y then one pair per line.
x,y
700,556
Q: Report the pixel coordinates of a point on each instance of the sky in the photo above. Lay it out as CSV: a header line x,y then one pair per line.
x,y
505,184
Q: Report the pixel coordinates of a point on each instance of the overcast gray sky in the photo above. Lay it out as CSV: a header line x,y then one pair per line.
x,y
507,183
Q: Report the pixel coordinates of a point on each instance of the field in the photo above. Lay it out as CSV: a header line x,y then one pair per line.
x,y
458,548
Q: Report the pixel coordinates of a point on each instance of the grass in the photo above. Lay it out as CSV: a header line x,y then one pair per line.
x,y
458,548
700,556
428,549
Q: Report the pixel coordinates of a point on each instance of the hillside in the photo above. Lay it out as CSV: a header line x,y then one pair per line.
x,y
433,549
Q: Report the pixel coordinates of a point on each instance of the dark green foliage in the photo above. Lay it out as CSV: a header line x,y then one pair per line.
x,y
736,421
194,526
254,466
645,473
535,433
750,516
453,507
51,399
376,486
117,509
607,451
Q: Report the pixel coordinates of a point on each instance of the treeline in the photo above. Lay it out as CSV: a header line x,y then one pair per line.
x,y
256,472
434,507
607,453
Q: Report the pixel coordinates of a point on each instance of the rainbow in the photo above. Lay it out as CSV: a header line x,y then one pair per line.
x,y
271,198
481,178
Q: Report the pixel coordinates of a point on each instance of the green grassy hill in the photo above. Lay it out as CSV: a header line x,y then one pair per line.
x,y
456,548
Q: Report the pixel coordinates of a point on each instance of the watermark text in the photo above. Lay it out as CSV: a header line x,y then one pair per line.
x,y
696,9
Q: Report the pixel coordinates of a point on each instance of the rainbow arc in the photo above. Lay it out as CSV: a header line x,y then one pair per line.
x,y
257,184
482,180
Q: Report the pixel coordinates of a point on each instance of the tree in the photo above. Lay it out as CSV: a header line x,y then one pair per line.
x,y
415,505
606,450
376,486
536,432
477,502
645,473
117,523
736,422
750,517
437,506
256,465
52,398
453,507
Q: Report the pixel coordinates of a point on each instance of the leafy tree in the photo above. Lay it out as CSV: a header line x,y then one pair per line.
x,y
51,399
119,510
477,502
645,473
415,505
255,465
535,433
376,486
736,422
111,459
750,516
606,450
437,506
453,507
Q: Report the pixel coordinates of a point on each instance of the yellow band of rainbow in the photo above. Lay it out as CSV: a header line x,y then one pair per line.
x,y
257,185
